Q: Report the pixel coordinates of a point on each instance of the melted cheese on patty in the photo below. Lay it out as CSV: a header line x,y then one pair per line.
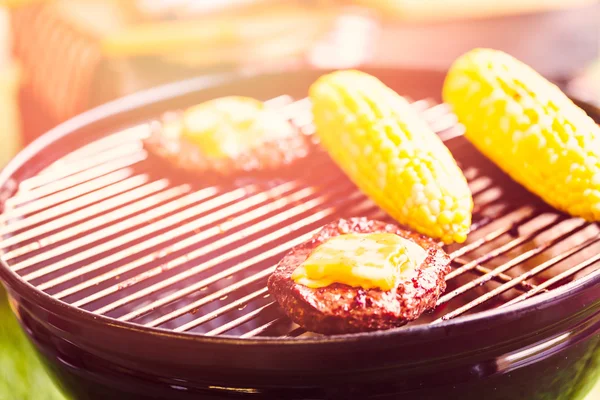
x,y
366,260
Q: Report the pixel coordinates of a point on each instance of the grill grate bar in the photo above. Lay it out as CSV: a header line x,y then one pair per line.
x,y
564,275
439,117
501,210
421,104
154,213
93,160
506,266
433,112
246,264
521,278
128,190
103,189
241,320
193,226
297,108
222,310
239,251
279,101
67,196
526,214
200,302
240,221
208,281
501,277
261,329
501,250
214,278
440,123
494,212
482,187
111,230
106,143
74,180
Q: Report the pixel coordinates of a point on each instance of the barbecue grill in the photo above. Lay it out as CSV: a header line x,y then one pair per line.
x,y
135,280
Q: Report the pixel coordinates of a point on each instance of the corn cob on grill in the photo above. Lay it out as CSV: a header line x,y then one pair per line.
x,y
380,142
529,128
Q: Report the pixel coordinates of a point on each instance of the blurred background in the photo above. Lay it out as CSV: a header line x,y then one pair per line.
x,y
59,58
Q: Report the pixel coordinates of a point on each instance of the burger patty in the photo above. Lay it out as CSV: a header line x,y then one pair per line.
x,y
269,156
340,308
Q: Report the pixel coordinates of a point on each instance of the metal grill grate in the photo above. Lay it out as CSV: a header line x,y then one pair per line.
x,y
109,229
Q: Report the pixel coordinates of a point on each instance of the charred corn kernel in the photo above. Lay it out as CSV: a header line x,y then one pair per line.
x,y
376,137
529,128
228,126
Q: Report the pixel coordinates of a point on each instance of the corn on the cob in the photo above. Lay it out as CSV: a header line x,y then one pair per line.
x,y
375,136
529,128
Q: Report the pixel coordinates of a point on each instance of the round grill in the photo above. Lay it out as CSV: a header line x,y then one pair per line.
x,y
105,227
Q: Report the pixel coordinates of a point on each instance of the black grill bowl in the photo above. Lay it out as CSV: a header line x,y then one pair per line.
x,y
544,347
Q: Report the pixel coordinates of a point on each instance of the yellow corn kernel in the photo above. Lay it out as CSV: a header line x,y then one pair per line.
x,y
529,128
385,148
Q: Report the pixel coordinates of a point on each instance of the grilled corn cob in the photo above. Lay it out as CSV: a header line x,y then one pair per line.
x,y
380,142
529,128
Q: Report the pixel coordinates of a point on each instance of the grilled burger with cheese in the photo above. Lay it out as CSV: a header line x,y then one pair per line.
x,y
359,275
227,135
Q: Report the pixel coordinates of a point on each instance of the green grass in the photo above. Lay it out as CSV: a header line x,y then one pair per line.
x,y
22,376
595,393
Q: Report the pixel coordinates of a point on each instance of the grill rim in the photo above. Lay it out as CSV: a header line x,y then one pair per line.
x,y
162,98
